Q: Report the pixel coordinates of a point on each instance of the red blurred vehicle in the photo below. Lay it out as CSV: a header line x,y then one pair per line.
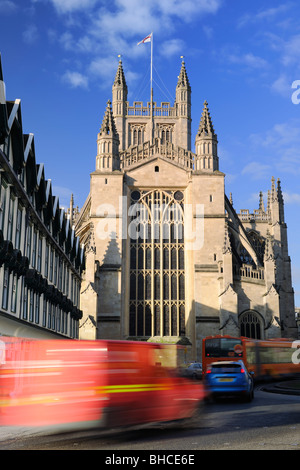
x,y
96,383
271,358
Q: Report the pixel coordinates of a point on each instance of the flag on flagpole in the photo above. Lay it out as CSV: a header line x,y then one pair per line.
x,y
146,39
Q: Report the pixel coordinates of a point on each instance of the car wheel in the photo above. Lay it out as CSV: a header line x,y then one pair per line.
x,y
249,396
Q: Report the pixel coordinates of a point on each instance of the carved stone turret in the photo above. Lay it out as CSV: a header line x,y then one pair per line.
x,y
183,108
108,143
119,103
206,144
119,92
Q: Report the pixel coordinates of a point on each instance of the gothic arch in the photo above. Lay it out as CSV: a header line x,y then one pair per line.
x,y
157,273
239,233
251,324
258,242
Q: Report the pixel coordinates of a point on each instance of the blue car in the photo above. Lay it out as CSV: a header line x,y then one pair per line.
x,y
229,378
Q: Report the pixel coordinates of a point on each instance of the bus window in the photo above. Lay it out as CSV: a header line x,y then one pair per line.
x,y
275,355
251,354
223,347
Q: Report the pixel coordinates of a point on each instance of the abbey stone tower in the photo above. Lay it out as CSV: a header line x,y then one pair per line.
x,y
168,258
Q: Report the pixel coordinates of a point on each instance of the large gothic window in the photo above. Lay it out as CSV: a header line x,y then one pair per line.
x,y
258,242
250,325
157,277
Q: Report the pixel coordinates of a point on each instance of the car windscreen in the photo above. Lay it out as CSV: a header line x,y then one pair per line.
x,y
226,368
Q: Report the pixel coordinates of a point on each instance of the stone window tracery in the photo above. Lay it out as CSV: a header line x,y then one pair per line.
x,y
164,132
258,242
157,275
250,325
137,134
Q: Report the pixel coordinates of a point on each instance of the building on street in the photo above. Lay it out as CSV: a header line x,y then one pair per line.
x,y
168,256
41,260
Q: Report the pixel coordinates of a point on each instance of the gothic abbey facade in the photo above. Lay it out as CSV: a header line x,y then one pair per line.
x,y
168,258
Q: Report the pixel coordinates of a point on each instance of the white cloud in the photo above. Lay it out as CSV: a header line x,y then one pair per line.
x,y
288,50
249,60
67,6
75,79
131,18
30,35
268,14
186,9
112,28
291,51
7,7
122,23
67,41
85,44
105,68
282,86
282,143
291,198
208,31
172,47
257,170
282,135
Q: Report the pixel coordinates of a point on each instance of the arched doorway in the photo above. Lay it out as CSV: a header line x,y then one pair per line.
x,y
251,324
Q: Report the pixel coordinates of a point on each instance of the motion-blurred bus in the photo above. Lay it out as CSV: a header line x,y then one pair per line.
x,y
91,383
266,359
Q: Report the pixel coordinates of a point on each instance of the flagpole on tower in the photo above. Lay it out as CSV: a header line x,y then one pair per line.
x,y
149,38
151,74
151,90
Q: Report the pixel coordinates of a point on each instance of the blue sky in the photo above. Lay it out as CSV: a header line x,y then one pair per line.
x,y
60,58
